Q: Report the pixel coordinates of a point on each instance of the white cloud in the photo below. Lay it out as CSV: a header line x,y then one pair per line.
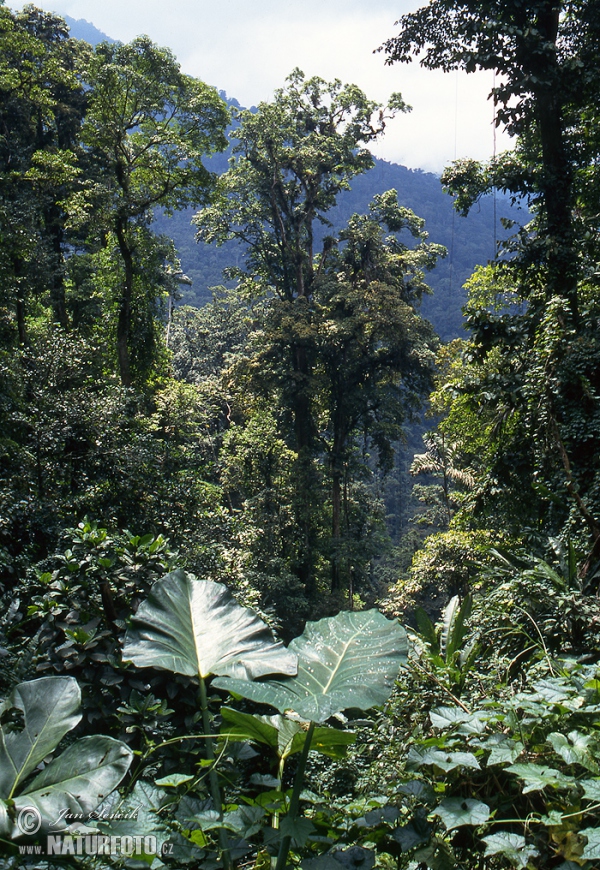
x,y
247,49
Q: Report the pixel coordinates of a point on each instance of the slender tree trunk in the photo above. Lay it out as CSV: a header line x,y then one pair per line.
x,y
557,176
20,311
337,475
305,478
336,525
125,305
18,270
57,290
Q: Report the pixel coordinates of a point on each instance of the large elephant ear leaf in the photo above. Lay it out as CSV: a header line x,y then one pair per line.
x,y
78,780
49,708
349,660
196,627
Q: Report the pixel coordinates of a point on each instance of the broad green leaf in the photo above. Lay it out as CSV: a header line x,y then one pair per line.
x,y
207,820
297,828
427,630
349,660
260,729
504,751
559,691
77,781
453,626
193,627
574,749
537,778
591,789
592,848
49,706
331,742
417,789
173,780
446,718
411,835
245,821
445,760
455,812
139,816
286,736
513,846
387,814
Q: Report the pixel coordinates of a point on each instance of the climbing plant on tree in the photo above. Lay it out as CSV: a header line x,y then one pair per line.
x,y
532,325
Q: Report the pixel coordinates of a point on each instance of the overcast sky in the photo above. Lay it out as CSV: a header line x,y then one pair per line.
x,y
248,47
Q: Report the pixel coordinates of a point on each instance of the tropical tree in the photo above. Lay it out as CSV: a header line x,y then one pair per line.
x,y
441,462
292,158
375,354
147,126
543,54
42,101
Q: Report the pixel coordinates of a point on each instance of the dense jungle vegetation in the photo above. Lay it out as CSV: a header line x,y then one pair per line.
x,y
249,617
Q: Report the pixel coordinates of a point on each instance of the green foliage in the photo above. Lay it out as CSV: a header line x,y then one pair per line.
x,y
340,349
77,781
445,566
68,615
536,605
262,463
518,773
441,461
348,661
527,380
443,648
147,127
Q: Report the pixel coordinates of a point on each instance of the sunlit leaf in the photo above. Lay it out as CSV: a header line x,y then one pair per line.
x,y
349,660
537,778
455,812
192,627
513,846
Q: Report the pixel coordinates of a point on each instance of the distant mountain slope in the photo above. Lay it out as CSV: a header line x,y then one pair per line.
x,y
82,29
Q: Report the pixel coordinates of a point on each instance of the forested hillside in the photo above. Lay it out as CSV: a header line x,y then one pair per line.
x,y
249,617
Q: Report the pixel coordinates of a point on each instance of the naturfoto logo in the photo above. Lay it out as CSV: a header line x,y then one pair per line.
x,y
93,844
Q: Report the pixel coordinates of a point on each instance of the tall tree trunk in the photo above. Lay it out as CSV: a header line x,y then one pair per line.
x,y
57,289
557,176
18,271
305,478
124,316
20,311
336,525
